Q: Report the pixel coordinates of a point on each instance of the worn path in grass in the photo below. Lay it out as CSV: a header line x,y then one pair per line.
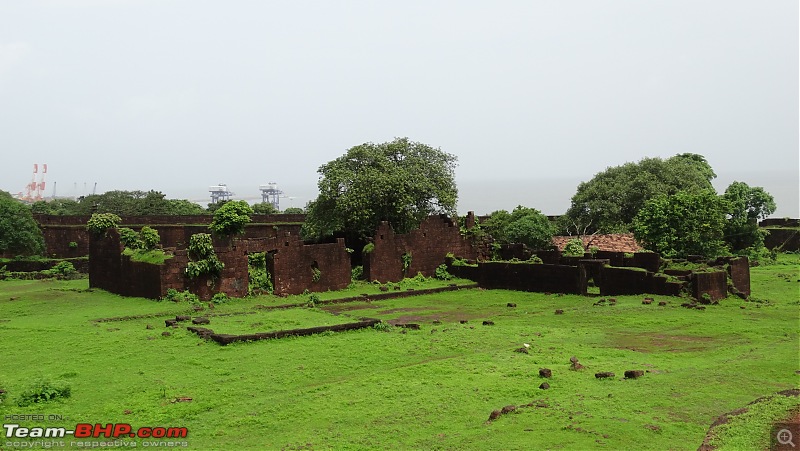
x,y
432,388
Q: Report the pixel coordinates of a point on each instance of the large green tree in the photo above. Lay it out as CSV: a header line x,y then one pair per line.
x,y
399,181
608,202
19,233
523,225
746,206
681,224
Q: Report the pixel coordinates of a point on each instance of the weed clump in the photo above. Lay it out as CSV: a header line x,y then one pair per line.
x,y
43,391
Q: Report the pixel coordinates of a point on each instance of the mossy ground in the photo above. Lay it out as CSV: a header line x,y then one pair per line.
x,y
432,388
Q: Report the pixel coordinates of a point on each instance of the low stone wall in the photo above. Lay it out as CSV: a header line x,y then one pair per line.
x,y
525,276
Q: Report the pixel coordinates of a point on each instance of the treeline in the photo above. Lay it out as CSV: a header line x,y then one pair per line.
x,y
137,203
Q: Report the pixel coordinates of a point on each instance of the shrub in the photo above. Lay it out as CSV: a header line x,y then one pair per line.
x,y
316,274
129,238
99,223
43,391
63,269
73,245
357,273
181,296
231,218
220,298
149,238
313,299
574,247
205,261
368,248
535,260
382,327
442,274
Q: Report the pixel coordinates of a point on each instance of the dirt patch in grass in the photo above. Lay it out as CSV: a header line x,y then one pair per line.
x,y
405,309
452,316
659,342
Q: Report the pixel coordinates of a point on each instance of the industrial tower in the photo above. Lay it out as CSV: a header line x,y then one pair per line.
x,y
270,193
34,189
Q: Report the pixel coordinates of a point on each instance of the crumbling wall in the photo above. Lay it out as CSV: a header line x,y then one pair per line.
x,y
295,265
428,246
59,231
715,284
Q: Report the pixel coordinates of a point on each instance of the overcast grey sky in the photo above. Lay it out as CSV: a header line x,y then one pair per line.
x,y
532,96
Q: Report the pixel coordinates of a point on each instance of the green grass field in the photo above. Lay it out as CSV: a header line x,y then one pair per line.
x,y
432,388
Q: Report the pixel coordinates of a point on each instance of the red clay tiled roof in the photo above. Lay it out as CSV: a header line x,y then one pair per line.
x,y
616,242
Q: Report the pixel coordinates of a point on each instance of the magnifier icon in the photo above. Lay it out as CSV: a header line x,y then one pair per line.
x,y
784,437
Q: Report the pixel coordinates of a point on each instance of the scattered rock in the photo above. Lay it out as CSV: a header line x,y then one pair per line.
x,y
412,326
522,350
652,427
559,312
437,322
197,308
662,303
13,298
397,288
545,372
742,307
165,334
494,415
183,318
508,409
463,321
647,301
149,327
573,359
201,320
604,374
576,367
113,329
488,322
544,386
633,374
511,304
127,412
182,399
434,330
170,322
383,288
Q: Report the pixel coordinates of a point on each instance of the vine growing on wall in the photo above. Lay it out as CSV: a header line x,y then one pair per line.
x,y
406,257
204,260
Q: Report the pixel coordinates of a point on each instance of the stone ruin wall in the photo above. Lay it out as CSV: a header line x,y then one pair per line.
x,y
59,231
428,246
292,263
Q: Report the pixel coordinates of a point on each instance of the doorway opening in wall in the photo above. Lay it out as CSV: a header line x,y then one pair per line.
x,y
259,274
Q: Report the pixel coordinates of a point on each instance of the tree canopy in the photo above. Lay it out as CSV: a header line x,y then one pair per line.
x,y
400,181
230,218
611,199
125,203
681,224
746,206
523,225
19,233
264,208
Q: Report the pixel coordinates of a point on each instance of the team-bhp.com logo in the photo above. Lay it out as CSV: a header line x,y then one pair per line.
x,y
86,430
